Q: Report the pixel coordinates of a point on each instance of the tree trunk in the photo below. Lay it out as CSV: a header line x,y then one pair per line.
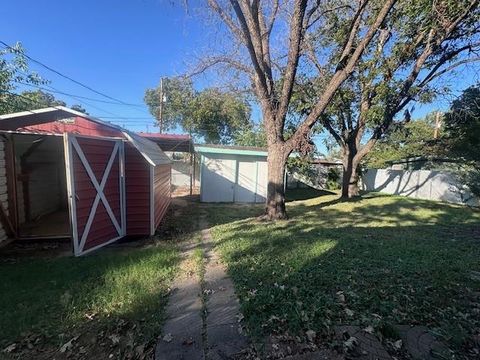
x,y
350,171
276,184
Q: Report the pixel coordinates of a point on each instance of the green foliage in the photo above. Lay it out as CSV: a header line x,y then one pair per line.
x,y
462,125
462,136
250,136
403,141
333,179
302,166
211,114
14,70
395,260
79,108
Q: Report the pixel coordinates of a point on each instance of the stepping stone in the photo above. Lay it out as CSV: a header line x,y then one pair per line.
x,y
224,336
421,344
182,332
367,346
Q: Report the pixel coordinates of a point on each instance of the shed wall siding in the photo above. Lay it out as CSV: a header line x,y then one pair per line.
x,y
162,191
77,125
137,190
3,187
233,178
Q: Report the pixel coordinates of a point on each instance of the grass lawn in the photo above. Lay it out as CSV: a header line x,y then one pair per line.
x,y
378,261
117,294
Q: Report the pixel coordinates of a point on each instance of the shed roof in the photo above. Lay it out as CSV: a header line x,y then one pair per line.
x,y
149,150
170,142
40,116
233,150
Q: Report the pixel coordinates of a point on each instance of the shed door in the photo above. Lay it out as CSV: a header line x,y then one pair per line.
x,y
96,190
246,185
218,179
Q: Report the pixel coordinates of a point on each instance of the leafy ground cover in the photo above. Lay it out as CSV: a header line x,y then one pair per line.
x,y
52,301
376,261
109,302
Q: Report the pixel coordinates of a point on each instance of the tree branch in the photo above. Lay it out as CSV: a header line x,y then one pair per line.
x,y
296,35
340,76
348,46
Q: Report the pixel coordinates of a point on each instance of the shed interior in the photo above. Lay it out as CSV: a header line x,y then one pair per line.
x,y
40,186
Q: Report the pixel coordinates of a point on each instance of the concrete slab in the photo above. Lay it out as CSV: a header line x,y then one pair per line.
x,y
421,344
367,346
182,332
225,340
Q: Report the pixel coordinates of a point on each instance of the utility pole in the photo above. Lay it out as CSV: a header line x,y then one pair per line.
x,y
438,125
160,108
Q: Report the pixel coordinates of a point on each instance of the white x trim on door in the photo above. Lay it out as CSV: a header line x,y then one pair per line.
x,y
73,145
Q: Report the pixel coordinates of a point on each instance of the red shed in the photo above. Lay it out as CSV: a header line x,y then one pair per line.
x,y
67,174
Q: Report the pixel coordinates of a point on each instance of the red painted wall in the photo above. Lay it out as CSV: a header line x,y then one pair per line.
x,y
137,190
79,126
162,191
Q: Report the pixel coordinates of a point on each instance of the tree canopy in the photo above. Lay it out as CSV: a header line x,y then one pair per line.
x,y
462,125
14,72
414,139
211,114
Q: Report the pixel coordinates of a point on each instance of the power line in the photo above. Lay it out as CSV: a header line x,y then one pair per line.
x,y
68,77
56,91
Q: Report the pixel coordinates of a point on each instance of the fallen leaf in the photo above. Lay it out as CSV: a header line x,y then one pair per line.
x,y
68,345
350,344
115,339
369,329
397,344
348,312
167,338
10,348
311,335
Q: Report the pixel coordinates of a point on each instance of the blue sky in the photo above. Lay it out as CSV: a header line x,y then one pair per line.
x,y
119,48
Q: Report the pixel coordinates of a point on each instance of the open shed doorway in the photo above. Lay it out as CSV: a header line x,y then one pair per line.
x,y
40,186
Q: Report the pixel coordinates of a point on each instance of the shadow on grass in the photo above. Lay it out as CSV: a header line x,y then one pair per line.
x,y
305,194
71,296
396,261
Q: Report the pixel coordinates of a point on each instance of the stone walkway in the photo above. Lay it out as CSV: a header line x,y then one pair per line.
x,y
202,314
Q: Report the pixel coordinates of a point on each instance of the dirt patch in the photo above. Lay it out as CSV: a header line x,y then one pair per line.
x,y
21,249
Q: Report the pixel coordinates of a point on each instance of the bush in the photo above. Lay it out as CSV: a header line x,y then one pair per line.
x,y
333,179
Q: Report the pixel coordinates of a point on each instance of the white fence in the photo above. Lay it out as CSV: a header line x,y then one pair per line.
x,y
422,184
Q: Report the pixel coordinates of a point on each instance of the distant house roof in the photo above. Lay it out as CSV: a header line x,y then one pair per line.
x,y
228,149
170,142
11,122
